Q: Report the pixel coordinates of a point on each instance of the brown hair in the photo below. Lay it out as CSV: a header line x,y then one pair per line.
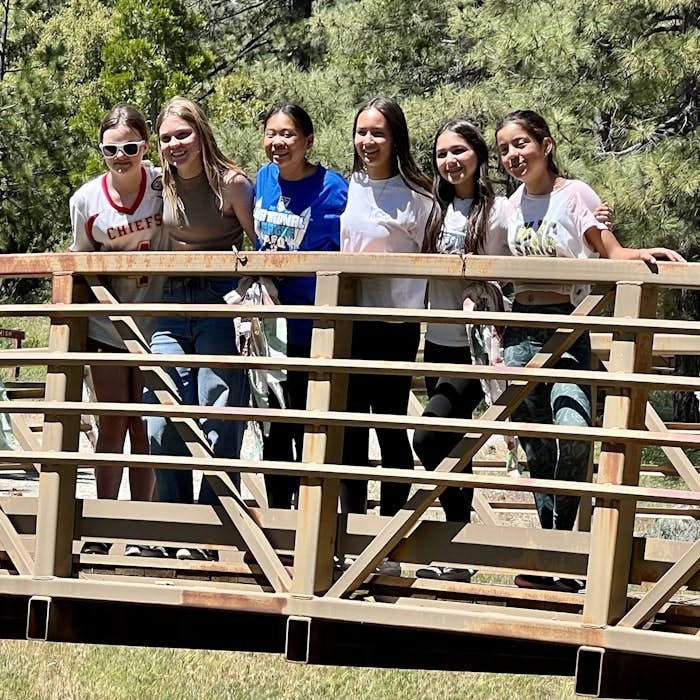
x,y
215,163
404,164
537,127
478,219
126,115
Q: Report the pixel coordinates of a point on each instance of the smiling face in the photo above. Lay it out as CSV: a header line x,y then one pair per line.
x,y
374,144
524,157
180,146
456,162
121,163
286,145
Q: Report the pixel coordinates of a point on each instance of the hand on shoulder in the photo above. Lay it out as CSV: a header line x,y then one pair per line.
x,y
235,177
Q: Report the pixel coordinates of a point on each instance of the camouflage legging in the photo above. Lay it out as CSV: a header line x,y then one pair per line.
x,y
558,403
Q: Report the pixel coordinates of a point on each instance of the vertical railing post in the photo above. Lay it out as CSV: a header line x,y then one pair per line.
x,y
612,528
317,523
56,509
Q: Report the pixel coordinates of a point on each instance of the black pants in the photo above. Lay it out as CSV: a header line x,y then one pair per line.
x,y
380,393
449,397
285,441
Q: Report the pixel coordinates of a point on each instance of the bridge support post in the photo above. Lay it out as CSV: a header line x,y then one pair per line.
x,y
317,527
612,527
56,508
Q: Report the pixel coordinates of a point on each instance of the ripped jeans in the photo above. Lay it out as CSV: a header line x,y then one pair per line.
x,y
557,403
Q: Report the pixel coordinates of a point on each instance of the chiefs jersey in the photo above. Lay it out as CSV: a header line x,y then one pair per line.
x,y
99,224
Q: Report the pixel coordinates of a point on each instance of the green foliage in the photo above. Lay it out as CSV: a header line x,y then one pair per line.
x,y
618,83
152,54
33,173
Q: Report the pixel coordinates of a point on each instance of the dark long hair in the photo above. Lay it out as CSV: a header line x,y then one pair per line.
x,y
413,177
297,114
537,127
444,192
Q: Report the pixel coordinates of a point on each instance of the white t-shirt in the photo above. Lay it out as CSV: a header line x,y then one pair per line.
x,y
100,225
385,216
553,225
449,294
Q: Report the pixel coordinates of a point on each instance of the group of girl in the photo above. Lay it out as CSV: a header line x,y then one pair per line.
x,y
389,205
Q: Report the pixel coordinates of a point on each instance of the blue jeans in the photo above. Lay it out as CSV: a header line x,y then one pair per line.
x,y
558,403
201,386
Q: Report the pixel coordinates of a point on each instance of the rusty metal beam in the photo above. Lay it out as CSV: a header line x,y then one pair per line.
x,y
57,481
678,575
425,478
318,498
612,527
386,264
335,418
347,366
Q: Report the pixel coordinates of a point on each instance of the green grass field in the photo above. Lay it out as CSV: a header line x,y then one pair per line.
x,y
47,671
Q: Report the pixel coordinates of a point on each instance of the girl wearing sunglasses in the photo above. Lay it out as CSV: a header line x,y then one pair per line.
x,y
120,210
208,205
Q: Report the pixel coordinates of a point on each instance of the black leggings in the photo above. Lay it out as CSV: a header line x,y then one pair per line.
x,y
380,393
285,441
452,397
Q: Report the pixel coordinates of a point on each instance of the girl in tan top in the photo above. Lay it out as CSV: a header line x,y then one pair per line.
x,y
207,205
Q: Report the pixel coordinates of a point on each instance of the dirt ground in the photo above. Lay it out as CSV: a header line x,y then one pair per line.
x,y
14,481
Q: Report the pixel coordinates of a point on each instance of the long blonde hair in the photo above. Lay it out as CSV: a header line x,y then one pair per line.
x,y
215,163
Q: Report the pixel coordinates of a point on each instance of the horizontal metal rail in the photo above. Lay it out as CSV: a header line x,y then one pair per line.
x,y
429,369
477,267
284,564
334,471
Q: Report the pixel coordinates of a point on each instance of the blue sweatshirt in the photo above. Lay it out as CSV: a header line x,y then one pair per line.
x,y
295,215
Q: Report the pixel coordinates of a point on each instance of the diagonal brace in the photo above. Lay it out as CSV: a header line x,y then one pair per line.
x,y
469,445
189,430
678,575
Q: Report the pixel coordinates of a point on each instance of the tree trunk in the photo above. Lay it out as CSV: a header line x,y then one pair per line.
x,y
4,31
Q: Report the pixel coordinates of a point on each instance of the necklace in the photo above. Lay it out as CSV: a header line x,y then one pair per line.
x,y
377,196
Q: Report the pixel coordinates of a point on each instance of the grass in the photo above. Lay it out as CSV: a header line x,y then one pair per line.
x,y
46,671
37,336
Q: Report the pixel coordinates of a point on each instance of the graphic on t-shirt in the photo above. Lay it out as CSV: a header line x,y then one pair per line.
x,y
279,228
536,238
451,242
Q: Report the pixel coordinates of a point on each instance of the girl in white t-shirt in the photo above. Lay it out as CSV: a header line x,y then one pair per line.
x,y
550,215
121,210
388,208
467,218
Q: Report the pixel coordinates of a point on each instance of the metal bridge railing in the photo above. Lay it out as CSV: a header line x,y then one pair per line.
x,y
282,565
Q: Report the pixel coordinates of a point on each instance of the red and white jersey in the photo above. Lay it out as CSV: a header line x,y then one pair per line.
x,y
101,225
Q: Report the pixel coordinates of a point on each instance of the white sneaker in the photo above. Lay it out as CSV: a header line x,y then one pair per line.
x,y
196,554
386,568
